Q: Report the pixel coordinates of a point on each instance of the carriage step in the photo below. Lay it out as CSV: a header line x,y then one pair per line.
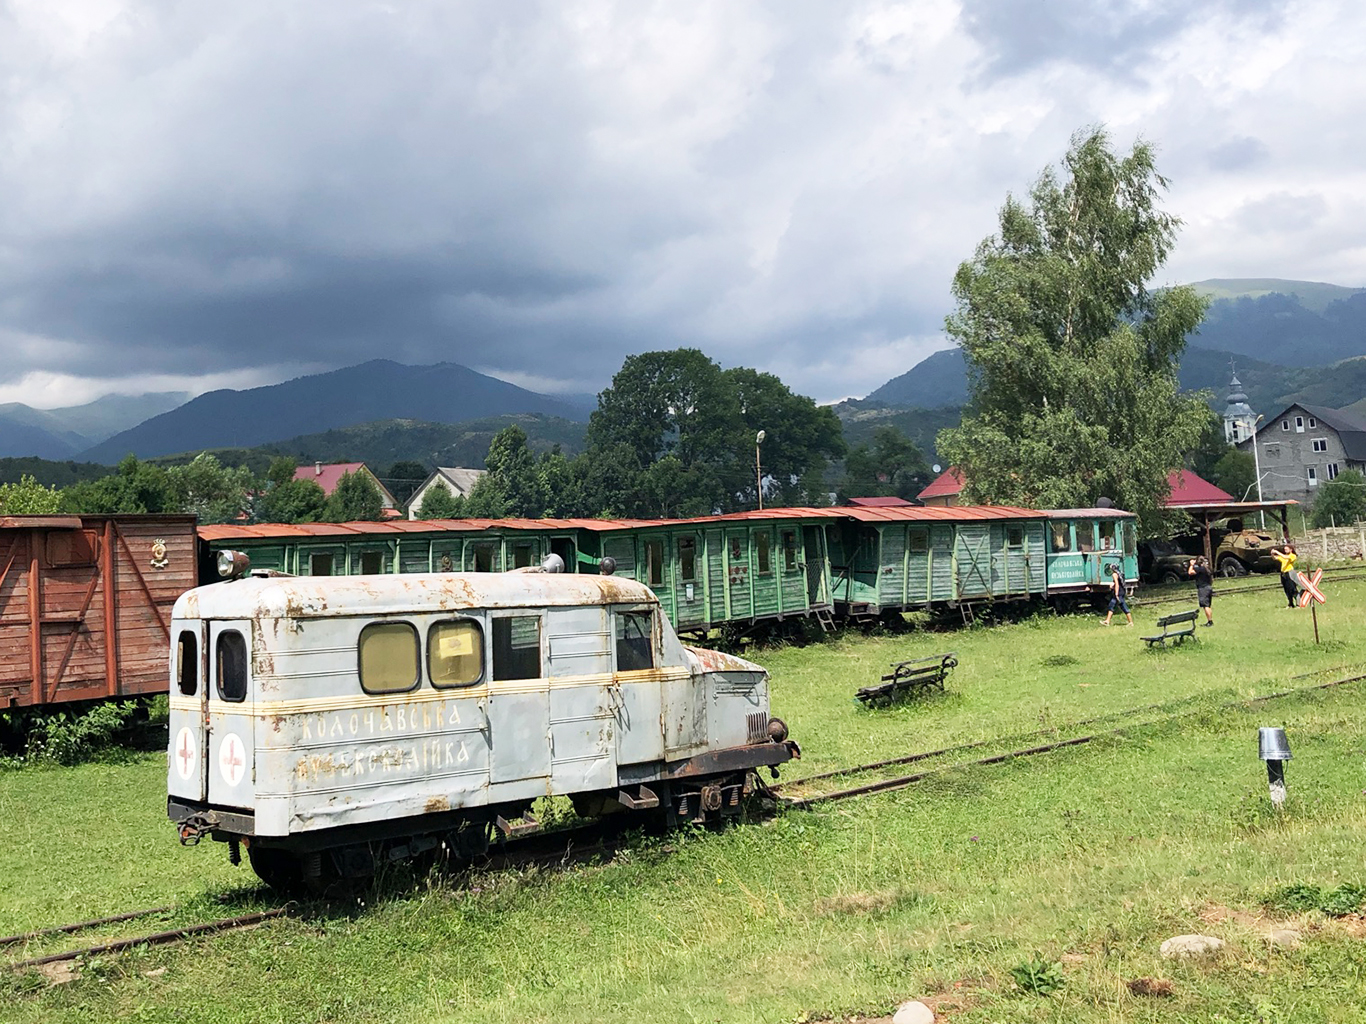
x,y
642,801
826,620
526,823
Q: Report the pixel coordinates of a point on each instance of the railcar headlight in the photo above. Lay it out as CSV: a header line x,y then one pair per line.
x,y
233,564
777,730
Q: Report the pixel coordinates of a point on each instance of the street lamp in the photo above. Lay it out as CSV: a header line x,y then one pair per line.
x,y
758,472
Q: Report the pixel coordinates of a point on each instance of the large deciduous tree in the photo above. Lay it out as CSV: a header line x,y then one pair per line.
x,y
1072,360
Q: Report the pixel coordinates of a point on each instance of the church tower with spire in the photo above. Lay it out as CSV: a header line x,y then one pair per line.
x,y
1240,422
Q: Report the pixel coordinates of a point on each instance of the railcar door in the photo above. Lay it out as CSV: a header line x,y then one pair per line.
x,y
518,701
739,582
636,684
582,700
187,772
231,756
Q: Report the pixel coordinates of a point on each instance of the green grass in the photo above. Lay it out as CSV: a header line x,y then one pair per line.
x,y
1086,859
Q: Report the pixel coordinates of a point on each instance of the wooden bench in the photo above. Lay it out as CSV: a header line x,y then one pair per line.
x,y
1186,619
910,677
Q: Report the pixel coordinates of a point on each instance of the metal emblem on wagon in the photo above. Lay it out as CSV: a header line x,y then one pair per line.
x,y
159,559
232,759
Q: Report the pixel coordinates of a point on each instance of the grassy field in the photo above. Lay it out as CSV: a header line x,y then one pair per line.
x,y
1069,868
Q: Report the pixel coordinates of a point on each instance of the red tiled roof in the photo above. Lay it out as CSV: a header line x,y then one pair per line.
x,y
948,482
1189,489
880,502
327,476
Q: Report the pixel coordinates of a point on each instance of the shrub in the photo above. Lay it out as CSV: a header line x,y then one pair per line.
x,y
1038,976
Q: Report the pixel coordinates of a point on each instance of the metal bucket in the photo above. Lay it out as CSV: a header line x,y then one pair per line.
x,y
1272,744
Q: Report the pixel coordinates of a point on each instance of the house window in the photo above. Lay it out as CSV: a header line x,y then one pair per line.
x,y
1285,424
1313,477
1299,424
388,657
1273,451
761,546
687,558
517,647
789,551
1313,423
455,653
320,565
1332,470
1319,444
654,561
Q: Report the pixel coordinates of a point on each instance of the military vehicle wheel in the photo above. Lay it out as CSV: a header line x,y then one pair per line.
x,y
1171,576
1230,566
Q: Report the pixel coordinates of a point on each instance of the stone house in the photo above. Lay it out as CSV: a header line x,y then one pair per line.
x,y
1305,446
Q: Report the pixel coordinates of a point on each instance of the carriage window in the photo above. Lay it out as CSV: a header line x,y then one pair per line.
x,y
320,565
635,650
232,666
521,556
371,563
187,662
761,546
388,657
1107,534
687,558
654,561
1086,537
1130,539
919,541
517,647
455,653
1062,537
484,558
735,555
789,551
1014,536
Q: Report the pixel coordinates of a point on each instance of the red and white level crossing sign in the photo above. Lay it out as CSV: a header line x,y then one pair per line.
x,y
1311,588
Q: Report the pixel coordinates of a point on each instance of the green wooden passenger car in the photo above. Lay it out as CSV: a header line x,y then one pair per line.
x,y
1083,541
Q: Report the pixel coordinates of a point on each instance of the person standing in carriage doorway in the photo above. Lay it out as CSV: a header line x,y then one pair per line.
x,y
1204,586
1118,598
1286,557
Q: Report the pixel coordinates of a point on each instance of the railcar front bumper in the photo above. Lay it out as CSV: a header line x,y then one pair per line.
x,y
194,822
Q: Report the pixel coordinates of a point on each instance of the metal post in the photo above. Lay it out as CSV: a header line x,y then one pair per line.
x,y
758,472
1275,781
1314,610
1257,468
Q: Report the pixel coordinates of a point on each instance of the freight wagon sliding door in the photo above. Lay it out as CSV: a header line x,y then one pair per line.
x,y
689,583
739,576
972,556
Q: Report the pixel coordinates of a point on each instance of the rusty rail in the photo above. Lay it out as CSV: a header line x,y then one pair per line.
x,y
80,926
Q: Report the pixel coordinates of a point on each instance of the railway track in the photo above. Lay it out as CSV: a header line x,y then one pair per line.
x,y
902,781
1337,575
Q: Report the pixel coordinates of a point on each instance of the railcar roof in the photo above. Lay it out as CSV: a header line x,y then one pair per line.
x,y
314,596
1089,513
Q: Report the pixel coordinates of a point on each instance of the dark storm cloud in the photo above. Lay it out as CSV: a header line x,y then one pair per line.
x,y
1108,35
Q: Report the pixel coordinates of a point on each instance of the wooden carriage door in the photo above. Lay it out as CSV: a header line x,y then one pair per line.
x,y
817,593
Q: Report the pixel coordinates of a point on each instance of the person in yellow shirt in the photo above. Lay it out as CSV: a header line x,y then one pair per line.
x,y
1285,556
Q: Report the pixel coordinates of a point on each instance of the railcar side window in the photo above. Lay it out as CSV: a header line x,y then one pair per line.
x,y
789,551
1014,536
1107,534
1062,537
455,653
232,665
187,662
1130,539
735,555
761,550
485,558
320,564
1086,537
517,647
74,547
687,558
654,561
371,563
521,557
635,649
919,541
388,657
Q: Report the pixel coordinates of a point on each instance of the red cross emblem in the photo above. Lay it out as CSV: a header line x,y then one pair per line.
x,y
231,759
185,751
1311,588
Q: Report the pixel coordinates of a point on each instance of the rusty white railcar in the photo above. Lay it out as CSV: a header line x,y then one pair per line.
x,y
330,725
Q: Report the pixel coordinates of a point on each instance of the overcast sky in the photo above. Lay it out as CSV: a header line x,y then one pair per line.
x,y
198,195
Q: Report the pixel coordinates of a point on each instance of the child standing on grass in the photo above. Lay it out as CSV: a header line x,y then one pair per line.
x,y
1285,556
1204,586
1118,599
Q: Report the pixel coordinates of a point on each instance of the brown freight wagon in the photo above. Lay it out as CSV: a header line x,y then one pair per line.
x,y
85,604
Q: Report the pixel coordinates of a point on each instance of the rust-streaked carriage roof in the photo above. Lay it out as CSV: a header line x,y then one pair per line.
x,y
393,527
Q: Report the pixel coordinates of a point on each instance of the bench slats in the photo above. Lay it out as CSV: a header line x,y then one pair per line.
x,y
910,677
1178,635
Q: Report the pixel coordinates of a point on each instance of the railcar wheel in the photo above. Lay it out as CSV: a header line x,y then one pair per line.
x,y
279,869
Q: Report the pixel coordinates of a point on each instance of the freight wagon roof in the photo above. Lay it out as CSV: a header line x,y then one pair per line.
x,y
315,596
